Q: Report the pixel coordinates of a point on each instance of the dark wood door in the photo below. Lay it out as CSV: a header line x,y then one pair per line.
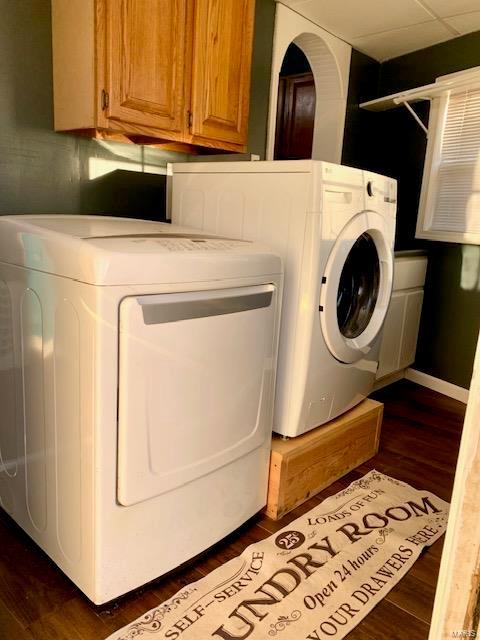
x,y
295,117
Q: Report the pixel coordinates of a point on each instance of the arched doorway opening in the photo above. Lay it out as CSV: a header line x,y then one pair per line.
x,y
329,60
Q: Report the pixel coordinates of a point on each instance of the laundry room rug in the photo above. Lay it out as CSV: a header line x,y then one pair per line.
x,y
315,579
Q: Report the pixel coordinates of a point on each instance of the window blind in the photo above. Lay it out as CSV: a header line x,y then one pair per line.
x,y
457,206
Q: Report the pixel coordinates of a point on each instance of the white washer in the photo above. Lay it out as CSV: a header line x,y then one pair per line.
x,y
137,366
334,227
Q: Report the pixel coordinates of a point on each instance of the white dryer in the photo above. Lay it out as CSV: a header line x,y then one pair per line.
x,y
136,391
334,227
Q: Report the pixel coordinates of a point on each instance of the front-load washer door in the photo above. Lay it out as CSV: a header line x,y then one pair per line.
x,y
195,385
356,287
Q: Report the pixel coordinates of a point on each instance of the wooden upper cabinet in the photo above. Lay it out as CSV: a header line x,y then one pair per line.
x,y
154,70
145,55
222,55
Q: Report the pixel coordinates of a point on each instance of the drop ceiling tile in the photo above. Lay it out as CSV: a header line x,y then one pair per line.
x,y
349,19
396,42
465,23
446,8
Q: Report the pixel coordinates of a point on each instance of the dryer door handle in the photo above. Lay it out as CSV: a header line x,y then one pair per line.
x,y
158,309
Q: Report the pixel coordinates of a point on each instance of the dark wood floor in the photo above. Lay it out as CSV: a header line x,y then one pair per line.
x,y
419,444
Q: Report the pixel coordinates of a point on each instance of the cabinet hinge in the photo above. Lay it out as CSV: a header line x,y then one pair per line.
x,y
189,119
105,100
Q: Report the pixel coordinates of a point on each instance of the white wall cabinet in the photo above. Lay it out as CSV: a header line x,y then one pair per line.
x,y
400,333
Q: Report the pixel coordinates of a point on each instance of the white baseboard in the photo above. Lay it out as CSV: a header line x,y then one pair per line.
x,y
389,379
436,384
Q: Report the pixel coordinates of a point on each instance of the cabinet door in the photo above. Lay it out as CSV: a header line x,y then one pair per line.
x,y
145,56
413,311
389,358
222,53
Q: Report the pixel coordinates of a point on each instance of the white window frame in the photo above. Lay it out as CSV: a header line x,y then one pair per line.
x,y
436,124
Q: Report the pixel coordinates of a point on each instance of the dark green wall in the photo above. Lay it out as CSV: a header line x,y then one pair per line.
x,y
261,69
43,171
421,67
360,136
392,143
46,172
450,318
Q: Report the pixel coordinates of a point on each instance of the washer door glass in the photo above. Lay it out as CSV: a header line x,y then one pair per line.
x,y
358,287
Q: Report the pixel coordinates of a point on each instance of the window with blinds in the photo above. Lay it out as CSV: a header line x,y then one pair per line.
x,y
450,203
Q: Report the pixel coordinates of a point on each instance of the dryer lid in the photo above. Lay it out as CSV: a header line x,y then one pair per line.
x,y
103,250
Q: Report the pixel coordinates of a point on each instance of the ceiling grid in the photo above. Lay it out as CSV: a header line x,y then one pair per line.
x,y
385,29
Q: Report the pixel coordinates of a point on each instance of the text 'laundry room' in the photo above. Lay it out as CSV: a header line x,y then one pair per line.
x,y
239,319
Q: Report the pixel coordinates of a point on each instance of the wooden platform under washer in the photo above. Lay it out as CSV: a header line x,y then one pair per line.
x,y
301,467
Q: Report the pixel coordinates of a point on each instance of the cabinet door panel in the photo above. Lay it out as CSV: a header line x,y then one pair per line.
x,y
222,54
389,358
146,43
413,312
